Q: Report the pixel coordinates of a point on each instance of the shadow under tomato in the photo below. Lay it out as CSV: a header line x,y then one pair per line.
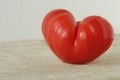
x,y
113,59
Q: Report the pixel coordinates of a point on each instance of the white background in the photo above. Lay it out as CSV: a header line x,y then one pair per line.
x,y
21,19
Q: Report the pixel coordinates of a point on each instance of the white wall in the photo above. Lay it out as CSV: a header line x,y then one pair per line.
x,y
21,19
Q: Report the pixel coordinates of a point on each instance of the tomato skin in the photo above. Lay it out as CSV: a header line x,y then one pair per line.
x,y
76,42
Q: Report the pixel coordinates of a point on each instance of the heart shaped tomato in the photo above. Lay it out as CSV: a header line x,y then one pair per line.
x,y
76,42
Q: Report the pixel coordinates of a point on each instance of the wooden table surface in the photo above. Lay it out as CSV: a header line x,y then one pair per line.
x,y
33,60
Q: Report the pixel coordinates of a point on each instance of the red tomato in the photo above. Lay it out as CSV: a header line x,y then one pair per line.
x,y
76,42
